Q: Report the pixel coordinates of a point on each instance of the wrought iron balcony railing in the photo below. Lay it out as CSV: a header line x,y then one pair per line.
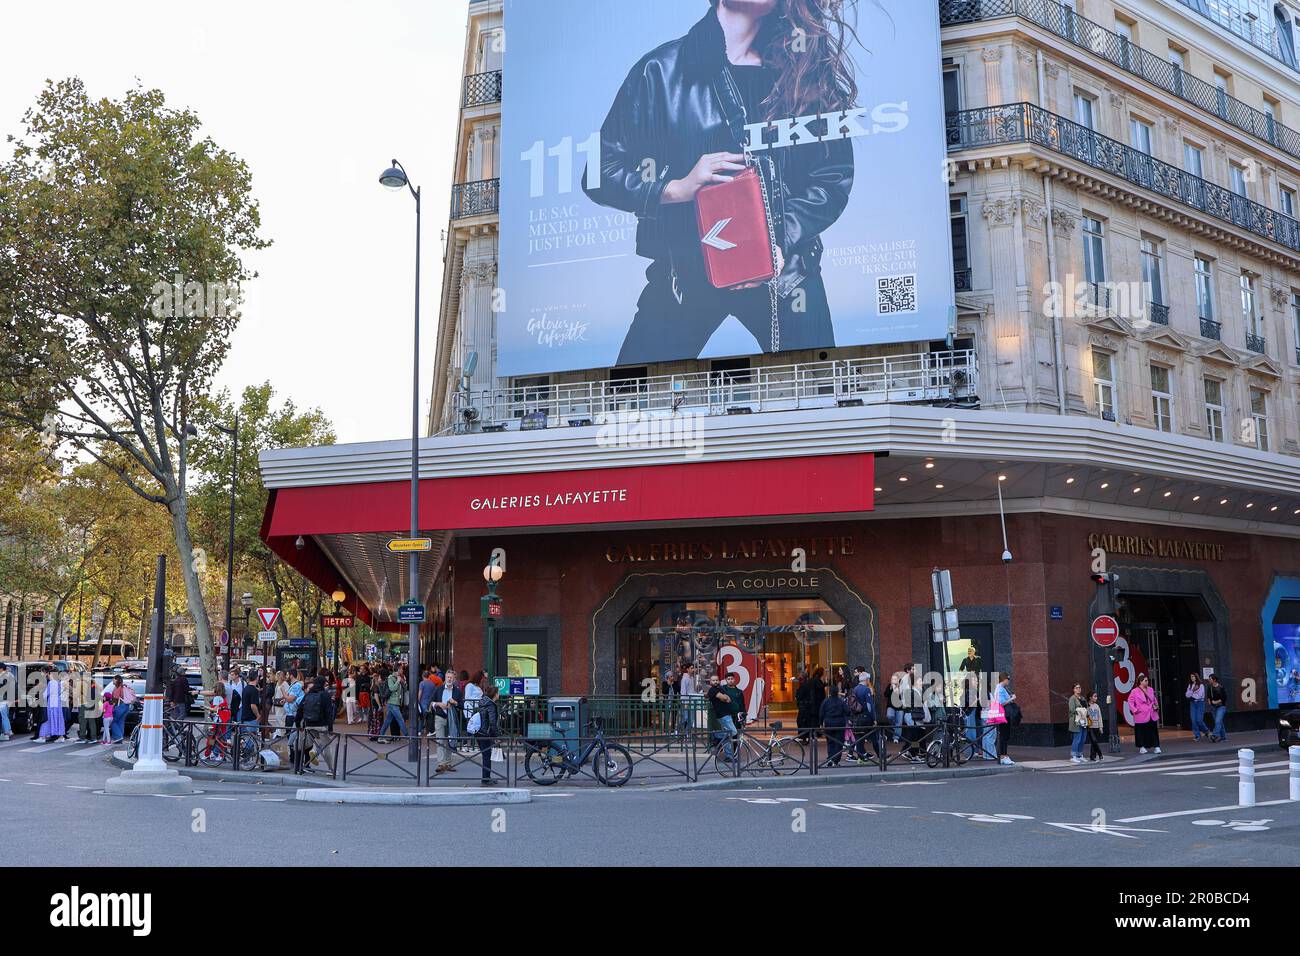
x,y
475,199
1255,343
1211,329
1248,28
1027,123
895,379
1125,54
961,280
1159,313
481,89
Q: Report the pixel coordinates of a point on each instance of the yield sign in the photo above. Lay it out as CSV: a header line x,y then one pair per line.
x,y
1105,630
268,617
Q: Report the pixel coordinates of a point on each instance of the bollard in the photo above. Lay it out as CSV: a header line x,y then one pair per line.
x,y
1294,754
1245,778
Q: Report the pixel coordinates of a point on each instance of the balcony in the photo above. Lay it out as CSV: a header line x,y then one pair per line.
x,y
1123,53
1159,313
1211,329
1233,18
940,377
1255,343
475,199
961,280
1027,123
481,89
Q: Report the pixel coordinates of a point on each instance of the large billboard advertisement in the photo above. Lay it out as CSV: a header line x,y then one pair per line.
x,y
704,178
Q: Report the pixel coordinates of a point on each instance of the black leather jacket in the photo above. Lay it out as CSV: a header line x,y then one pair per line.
x,y
679,103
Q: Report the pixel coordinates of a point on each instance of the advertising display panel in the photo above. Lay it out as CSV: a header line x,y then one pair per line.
x,y
702,178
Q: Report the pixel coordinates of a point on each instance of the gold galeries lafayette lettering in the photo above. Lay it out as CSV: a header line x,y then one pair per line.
x,y
747,549
549,500
1150,547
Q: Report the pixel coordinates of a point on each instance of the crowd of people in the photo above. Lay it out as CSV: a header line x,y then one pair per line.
x,y
459,711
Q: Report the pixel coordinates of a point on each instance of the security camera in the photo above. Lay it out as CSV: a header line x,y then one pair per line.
x,y
1006,557
470,414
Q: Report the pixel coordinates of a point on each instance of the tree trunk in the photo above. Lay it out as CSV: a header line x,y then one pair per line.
x,y
194,593
99,646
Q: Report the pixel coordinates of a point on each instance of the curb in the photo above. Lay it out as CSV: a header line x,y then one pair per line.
x,y
419,798
250,778
830,779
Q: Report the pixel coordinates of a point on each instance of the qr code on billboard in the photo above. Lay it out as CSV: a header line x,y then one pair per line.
x,y
895,294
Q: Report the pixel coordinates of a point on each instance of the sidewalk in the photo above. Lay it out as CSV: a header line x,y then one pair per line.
x,y
1175,745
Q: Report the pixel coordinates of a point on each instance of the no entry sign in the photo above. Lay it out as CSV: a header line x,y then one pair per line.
x,y
1105,630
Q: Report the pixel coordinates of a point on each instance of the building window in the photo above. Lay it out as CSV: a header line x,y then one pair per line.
x,y
1205,287
1214,409
1259,415
1094,250
1221,92
1194,160
1162,400
951,88
1285,35
1238,176
1249,306
1286,200
960,242
1084,110
1152,269
1140,133
1103,380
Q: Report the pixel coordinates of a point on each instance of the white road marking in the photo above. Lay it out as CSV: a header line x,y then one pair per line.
x,y
50,748
913,783
1192,813
33,783
1165,767
270,799
73,786
983,817
1125,832
1218,767
220,798
862,807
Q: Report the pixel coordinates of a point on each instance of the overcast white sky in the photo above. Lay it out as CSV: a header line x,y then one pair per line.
x,y
316,98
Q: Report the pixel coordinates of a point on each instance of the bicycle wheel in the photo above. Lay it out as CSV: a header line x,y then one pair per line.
x,y
963,750
612,764
248,752
789,756
133,746
720,761
172,749
544,766
934,754
212,752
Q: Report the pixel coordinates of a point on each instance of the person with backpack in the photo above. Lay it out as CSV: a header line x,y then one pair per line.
x,y
833,716
484,724
395,697
862,710
317,715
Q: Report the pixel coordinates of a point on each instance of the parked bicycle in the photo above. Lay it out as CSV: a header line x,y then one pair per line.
x,y
731,756
218,747
952,738
175,733
548,762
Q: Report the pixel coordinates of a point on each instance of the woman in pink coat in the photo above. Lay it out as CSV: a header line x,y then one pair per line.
x,y
1146,715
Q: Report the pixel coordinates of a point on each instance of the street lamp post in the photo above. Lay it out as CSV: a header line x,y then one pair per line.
x,y
246,601
395,177
338,597
492,574
230,542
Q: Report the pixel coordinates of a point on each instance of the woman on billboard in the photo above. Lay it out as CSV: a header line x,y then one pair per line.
x,y
731,209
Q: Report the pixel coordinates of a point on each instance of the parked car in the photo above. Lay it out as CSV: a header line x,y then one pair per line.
x,y
1288,726
24,682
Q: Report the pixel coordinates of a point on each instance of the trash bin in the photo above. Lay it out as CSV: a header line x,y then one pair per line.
x,y
567,717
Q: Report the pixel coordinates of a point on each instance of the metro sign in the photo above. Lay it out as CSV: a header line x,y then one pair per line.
x,y
1105,630
268,616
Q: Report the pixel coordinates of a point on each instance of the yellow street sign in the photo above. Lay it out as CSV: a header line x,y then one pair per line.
x,y
401,545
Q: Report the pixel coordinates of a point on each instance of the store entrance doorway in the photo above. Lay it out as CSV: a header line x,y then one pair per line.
x,y
788,636
1163,630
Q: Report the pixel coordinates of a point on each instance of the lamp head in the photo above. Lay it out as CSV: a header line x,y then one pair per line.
x,y
339,596
393,177
493,573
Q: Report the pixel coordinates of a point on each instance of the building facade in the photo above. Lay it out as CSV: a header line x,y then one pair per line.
x,y
1120,388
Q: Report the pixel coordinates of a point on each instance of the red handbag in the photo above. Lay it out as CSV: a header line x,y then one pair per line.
x,y
734,231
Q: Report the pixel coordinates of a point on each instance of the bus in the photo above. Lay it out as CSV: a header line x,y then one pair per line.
x,y
111,651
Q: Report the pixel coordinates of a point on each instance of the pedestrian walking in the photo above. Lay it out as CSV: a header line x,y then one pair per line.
x,y
1217,697
397,688
833,717
485,726
123,700
690,697
378,700
8,692
350,695
1078,710
425,702
106,706
54,697
1146,715
863,708
446,721
278,698
293,696
1094,727
997,716
317,719
473,690
1195,695
808,700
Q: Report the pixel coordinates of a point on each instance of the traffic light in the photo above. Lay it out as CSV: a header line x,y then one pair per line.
x,y
1105,577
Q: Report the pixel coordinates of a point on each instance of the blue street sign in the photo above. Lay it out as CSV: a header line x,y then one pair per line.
x,y
410,613
1058,613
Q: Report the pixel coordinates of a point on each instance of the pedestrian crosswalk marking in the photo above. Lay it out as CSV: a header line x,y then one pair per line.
x,y
1220,766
